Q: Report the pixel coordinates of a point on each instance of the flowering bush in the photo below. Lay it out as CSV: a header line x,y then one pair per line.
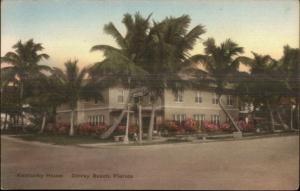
x,y
173,126
101,128
85,129
88,129
60,128
122,128
190,125
225,127
210,127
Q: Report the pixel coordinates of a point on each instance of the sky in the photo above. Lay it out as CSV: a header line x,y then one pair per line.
x,y
69,28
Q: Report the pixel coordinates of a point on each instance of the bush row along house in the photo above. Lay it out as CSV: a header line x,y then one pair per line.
x,y
200,105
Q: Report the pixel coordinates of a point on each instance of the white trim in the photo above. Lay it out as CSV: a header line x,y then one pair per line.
x,y
85,109
157,107
91,109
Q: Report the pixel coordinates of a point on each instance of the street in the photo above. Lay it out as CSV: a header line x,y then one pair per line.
x,y
263,163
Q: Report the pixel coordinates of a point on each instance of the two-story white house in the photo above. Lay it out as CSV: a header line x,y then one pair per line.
x,y
199,104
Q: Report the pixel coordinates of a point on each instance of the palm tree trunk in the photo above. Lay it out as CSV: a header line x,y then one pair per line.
x,y
54,114
13,120
21,103
111,129
283,124
126,139
71,133
151,125
291,118
271,117
254,115
298,116
227,114
5,121
140,123
44,122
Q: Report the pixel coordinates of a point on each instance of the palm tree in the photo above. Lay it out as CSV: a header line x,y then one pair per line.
x,y
221,62
72,80
45,93
265,85
121,64
167,54
9,103
22,64
154,53
289,68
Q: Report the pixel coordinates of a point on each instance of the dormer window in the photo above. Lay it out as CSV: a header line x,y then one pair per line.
x,y
179,96
121,96
229,100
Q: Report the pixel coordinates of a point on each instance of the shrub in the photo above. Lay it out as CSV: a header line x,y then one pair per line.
x,y
120,130
88,129
245,127
173,126
190,125
84,129
225,127
133,129
60,128
210,127
99,129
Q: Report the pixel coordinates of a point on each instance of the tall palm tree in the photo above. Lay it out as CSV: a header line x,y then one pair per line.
x,y
168,47
152,52
221,62
9,103
121,63
22,64
290,70
265,85
76,86
45,94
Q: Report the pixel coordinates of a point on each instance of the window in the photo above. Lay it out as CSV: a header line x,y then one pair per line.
x,y
215,99
95,119
179,117
198,98
121,96
179,96
229,100
200,118
215,119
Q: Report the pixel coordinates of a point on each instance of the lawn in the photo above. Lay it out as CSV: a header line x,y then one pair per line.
x,y
61,139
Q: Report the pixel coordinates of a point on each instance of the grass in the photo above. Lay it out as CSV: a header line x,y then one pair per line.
x,y
61,139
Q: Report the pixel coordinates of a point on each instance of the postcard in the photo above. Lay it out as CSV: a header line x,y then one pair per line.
x,y
150,95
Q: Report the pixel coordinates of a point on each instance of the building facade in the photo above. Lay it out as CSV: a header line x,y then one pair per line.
x,y
200,105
